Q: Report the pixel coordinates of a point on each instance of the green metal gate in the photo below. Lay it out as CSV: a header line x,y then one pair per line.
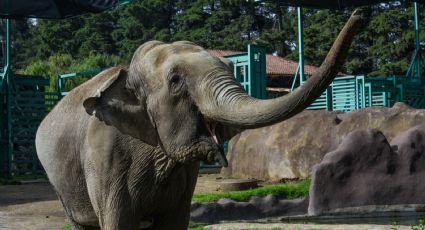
x,y
250,70
25,103
350,93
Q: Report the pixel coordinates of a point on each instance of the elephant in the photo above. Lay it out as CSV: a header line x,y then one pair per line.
x,y
122,150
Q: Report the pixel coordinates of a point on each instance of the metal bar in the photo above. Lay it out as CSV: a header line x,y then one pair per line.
x,y
59,86
8,44
301,45
294,82
68,75
8,77
329,98
417,40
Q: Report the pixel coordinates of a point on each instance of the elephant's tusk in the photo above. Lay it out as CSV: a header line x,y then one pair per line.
x,y
211,125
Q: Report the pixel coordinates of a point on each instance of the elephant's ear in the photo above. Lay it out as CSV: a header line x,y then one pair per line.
x,y
116,105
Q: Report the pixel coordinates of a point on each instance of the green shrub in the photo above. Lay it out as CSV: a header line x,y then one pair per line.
x,y
64,63
420,226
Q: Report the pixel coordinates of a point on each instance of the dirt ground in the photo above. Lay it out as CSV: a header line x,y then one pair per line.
x,y
34,206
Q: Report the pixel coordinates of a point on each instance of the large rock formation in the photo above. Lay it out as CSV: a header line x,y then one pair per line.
x,y
365,175
366,171
290,149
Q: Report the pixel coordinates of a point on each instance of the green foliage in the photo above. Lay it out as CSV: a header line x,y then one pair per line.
x,y
64,63
264,229
199,228
385,46
52,37
420,226
289,190
142,21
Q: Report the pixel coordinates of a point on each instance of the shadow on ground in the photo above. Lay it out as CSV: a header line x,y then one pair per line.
x,y
26,193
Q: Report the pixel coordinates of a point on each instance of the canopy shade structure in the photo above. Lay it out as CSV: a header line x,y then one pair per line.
x,y
54,9
334,4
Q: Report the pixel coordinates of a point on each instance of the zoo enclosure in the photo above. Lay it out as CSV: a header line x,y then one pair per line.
x,y
25,100
349,93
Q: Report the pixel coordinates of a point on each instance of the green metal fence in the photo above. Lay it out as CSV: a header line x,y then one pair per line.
x,y
350,93
250,70
25,103
71,77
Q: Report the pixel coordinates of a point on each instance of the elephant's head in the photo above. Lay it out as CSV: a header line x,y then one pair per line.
x,y
179,97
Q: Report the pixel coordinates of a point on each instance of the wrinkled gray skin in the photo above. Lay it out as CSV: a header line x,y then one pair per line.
x,y
124,147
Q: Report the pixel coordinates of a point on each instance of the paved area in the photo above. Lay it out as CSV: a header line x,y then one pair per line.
x,y
208,183
33,215
30,206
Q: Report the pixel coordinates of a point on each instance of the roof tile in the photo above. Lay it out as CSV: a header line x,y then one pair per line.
x,y
275,65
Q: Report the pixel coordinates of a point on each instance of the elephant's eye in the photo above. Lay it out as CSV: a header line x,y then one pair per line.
x,y
176,83
175,79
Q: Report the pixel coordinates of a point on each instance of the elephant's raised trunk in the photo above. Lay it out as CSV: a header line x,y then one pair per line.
x,y
227,102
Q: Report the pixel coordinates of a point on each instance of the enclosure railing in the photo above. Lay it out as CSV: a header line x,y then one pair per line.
x,y
350,93
62,91
26,104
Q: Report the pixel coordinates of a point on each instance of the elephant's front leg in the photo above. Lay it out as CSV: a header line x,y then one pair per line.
x,y
110,197
177,216
177,219
116,213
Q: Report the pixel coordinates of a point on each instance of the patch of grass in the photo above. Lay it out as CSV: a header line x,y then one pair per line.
x,y
66,227
276,229
265,229
289,191
199,228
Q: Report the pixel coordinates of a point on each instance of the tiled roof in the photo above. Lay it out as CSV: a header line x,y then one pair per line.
x,y
276,66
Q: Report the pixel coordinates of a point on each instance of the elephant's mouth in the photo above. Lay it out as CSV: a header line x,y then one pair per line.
x,y
219,156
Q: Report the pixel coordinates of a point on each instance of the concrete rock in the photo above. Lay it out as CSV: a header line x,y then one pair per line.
x,y
255,208
365,170
291,148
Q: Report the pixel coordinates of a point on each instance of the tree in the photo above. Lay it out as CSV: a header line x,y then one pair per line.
x,y
56,37
140,22
384,46
94,37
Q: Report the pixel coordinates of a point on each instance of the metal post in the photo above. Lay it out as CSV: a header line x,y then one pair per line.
x,y
300,45
7,59
8,96
417,41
